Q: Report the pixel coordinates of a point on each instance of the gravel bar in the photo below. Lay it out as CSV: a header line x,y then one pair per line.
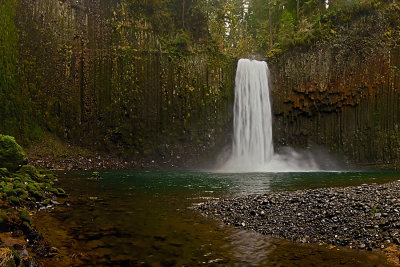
x,y
364,217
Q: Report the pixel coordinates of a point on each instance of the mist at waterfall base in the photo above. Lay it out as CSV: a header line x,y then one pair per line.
x,y
252,148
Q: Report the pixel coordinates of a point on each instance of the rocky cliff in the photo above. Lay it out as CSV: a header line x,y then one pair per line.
x,y
106,75
99,74
343,93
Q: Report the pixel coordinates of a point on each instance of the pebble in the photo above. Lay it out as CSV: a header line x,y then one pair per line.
x,y
365,217
54,202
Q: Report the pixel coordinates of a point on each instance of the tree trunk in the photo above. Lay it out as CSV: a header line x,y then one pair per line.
x,y
183,14
271,43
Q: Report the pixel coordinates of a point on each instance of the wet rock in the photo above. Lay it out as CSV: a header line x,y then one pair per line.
x,y
53,250
24,216
42,249
362,216
29,262
17,233
23,253
54,202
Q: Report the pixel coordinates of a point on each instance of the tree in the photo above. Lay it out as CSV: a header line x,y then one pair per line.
x,y
286,28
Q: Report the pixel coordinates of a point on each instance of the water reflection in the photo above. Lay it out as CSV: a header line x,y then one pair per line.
x,y
142,218
250,247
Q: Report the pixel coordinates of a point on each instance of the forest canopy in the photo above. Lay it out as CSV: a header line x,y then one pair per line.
x,y
248,27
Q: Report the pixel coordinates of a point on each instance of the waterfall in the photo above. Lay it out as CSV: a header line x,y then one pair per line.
x,y
252,127
252,147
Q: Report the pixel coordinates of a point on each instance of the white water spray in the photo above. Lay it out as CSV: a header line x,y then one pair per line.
x,y
252,148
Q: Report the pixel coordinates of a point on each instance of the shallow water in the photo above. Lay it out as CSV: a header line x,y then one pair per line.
x,y
144,218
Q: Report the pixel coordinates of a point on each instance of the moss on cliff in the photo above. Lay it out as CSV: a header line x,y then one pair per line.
x,y
8,67
343,92
116,78
17,111
126,78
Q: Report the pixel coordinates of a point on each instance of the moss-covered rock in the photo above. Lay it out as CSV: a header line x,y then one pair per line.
x,y
22,187
14,200
28,171
47,174
9,191
24,199
24,216
12,156
36,194
4,172
61,192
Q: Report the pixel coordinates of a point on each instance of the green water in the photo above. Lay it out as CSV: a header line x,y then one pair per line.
x,y
144,218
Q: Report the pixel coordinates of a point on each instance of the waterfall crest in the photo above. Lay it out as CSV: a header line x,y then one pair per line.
x,y
252,148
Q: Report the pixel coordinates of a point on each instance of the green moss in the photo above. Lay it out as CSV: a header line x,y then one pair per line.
x,y
24,198
9,191
19,191
4,172
61,192
36,194
14,200
12,156
32,187
179,47
47,174
8,68
52,190
22,189
18,185
24,216
30,171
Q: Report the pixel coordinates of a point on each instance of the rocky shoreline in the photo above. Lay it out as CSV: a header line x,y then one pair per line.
x,y
362,217
59,155
23,191
97,161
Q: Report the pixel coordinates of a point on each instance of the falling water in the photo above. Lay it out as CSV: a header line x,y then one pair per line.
x,y
252,148
252,122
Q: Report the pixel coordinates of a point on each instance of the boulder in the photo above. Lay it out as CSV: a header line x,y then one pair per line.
x,y
12,156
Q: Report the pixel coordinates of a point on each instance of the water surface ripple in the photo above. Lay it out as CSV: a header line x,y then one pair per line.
x,y
144,218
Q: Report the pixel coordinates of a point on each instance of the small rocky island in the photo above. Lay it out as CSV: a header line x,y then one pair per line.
x,y
362,217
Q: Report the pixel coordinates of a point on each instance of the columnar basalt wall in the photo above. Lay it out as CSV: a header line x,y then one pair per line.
x,y
343,93
99,78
